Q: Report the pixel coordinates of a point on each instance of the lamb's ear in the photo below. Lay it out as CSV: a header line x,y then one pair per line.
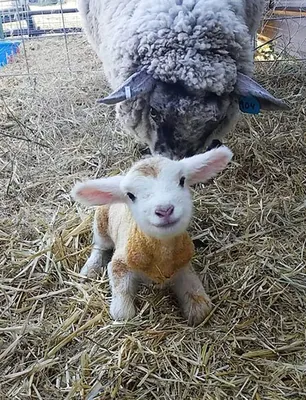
x,y
97,192
202,167
136,85
248,87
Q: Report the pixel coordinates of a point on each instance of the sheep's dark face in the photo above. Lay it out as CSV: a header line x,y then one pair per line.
x,y
177,123
184,123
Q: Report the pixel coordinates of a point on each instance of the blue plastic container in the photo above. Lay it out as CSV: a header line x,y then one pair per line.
x,y
8,49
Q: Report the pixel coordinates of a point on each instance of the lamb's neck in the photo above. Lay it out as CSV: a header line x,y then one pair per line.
x,y
159,259
166,241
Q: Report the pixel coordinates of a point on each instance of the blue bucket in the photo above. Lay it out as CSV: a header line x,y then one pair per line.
x,y
7,50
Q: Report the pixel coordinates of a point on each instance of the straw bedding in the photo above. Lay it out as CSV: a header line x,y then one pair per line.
x,y
57,340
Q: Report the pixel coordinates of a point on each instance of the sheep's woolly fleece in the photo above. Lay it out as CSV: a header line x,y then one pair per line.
x,y
199,42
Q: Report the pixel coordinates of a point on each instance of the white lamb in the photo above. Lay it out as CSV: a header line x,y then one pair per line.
x,y
143,216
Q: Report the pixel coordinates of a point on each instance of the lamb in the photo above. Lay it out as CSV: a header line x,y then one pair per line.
x,y
143,217
179,69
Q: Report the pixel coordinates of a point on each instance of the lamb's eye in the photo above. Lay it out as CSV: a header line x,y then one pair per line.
x,y
153,113
182,181
131,196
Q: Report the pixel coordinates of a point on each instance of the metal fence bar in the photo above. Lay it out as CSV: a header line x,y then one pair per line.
x,y
23,41
20,13
65,36
7,13
40,32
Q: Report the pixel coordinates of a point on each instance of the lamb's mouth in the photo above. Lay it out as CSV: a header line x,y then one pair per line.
x,y
167,224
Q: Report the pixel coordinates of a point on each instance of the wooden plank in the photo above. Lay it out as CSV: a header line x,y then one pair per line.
x,y
290,12
1,30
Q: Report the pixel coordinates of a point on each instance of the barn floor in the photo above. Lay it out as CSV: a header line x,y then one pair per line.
x,y
57,340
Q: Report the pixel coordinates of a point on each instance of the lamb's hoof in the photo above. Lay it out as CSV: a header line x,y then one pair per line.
x,y
96,264
197,309
214,144
122,308
89,271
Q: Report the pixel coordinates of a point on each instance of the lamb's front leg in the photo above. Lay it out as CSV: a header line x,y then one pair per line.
x,y
124,287
102,245
194,301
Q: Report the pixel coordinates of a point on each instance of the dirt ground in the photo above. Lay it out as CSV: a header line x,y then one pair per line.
x,y
57,340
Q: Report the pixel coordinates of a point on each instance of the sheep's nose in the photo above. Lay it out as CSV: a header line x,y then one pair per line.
x,y
164,211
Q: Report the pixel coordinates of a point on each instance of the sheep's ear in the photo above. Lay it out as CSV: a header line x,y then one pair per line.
x,y
248,89
136,85
202,167
97,192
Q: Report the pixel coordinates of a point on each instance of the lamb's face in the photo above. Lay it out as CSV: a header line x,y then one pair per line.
x,y
158,196
177,124
156,190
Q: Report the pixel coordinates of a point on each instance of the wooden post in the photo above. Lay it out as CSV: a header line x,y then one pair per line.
x,y
1,29
26,11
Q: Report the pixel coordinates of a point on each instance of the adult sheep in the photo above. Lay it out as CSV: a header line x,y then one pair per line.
x,y
177,68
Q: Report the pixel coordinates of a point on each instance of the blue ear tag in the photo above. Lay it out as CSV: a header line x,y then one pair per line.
x,y
249,105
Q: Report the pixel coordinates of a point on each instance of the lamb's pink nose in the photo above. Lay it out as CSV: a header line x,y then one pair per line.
x,y
164,211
